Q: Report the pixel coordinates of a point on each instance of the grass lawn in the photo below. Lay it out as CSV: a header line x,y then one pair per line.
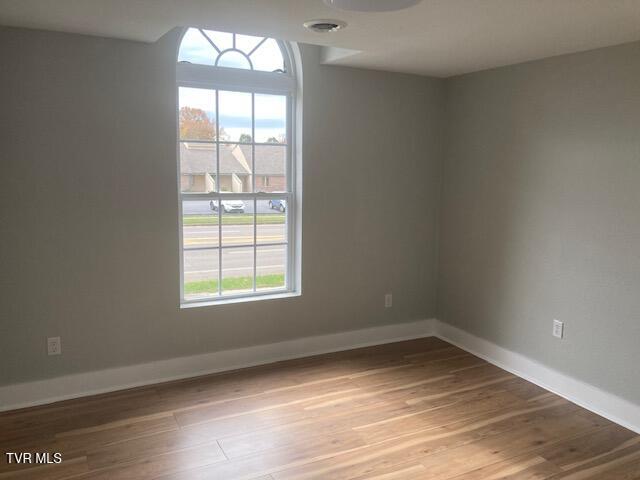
x,y
234,283
234,219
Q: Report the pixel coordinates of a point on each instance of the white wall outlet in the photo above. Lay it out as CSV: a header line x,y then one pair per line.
x,y
54,346
558,328
388,300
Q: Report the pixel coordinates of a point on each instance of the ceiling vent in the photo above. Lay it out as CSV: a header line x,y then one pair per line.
x,y
324,26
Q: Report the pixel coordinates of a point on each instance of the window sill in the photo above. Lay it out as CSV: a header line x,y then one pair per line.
x,y
228,301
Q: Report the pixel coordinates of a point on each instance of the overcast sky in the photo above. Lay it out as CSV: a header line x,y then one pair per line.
x,y
235,111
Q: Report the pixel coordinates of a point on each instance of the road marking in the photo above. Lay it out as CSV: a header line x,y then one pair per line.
x,y
264,267
248,226
240,252
201,240
243,251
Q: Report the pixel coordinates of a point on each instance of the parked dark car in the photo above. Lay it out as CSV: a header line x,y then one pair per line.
x,y
278,205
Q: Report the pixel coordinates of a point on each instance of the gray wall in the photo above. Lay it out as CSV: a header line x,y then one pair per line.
x,y
541,212
539,216
88,210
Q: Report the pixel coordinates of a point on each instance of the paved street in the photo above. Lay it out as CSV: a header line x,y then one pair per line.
x,y
200,242
236,262
207,236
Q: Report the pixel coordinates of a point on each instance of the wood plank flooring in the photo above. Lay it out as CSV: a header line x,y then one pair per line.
x,y
421,409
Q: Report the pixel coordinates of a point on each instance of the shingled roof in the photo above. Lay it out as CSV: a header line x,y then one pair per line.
x,y
199,158
270,159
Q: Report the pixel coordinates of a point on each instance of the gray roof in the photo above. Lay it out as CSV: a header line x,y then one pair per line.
x,y
199,158
270,159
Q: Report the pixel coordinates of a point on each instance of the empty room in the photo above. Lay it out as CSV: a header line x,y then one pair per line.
x,y
320,239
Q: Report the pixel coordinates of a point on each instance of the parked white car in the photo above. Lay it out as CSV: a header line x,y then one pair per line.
x,y
228,206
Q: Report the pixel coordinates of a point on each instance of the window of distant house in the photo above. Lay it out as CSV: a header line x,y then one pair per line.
x,y
237,180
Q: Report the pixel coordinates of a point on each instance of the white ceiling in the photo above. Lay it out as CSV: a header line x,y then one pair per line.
x,y
437,37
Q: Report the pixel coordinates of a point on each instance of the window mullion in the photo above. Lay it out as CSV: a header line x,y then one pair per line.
x,y
257,46
290,215
255,242
253,189
219,200
209,40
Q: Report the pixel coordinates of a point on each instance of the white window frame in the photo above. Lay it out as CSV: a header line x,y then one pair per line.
x,y
255,82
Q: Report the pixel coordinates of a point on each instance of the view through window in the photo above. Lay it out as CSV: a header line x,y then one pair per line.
x,y
235,104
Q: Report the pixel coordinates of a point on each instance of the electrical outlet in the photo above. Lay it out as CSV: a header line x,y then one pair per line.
x,y
54,346
388,300
558,328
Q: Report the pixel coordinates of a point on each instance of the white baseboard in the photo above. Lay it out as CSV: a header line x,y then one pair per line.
x,y
82,384
603,403
66,387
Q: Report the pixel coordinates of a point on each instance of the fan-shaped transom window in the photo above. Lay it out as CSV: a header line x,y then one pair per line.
x,y
231,50
236,141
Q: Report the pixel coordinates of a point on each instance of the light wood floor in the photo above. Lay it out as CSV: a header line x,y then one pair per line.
x,y
421,409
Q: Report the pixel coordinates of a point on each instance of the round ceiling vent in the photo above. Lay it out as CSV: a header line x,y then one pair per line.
x,y
371,5
325,26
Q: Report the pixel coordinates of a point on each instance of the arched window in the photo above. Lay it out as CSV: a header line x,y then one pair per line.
x,y
236,108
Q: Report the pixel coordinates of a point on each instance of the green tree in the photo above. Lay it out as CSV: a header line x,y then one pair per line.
x,y
245,138
279,139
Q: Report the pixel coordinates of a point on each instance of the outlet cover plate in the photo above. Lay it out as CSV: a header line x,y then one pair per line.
x,y
558,328
54,346
388,300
